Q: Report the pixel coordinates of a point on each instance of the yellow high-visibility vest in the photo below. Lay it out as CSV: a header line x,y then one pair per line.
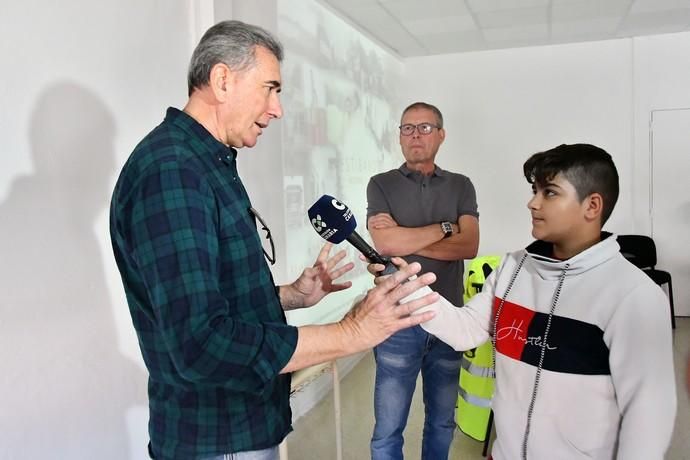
x,y
476,386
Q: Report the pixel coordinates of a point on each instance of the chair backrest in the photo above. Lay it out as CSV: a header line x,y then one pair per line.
x,y
638,249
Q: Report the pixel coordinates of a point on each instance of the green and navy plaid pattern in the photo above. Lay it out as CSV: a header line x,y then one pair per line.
x,y
202,298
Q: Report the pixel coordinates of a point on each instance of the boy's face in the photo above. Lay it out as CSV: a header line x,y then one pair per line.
x,y
558,216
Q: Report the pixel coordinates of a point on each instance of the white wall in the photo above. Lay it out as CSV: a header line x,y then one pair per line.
x,y
662,81
82,82
501,106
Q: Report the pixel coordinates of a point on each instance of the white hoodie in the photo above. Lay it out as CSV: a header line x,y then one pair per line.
x,y
606,386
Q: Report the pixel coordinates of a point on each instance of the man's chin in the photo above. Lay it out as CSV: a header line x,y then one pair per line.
x,y
249,143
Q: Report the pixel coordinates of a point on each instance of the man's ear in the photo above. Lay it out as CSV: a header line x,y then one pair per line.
x,y
594,206
220,81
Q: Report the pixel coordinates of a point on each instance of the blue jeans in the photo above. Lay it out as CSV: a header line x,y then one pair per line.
x,y
264,454
398,362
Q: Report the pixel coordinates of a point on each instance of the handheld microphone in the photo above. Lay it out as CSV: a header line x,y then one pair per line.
x,y
335,222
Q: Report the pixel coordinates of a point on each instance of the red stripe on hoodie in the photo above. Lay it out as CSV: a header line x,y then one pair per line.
x,y
511,331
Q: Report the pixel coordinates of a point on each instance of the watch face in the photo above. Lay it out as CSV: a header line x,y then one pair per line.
x,y
447,229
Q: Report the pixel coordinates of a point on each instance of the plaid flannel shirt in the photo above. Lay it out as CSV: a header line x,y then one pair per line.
x,y
202,299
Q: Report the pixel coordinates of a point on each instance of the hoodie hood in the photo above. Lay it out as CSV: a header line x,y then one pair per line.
x,y
539,252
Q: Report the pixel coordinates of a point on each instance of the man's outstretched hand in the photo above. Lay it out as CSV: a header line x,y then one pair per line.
x,y
380,314
316,281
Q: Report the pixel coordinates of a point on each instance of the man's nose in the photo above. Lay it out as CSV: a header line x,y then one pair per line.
x,y
275,108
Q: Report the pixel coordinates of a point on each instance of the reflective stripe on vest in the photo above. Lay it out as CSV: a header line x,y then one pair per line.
x,y
472,399
478,371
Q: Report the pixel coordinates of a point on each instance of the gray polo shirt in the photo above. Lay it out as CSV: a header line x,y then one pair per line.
x,y
416,200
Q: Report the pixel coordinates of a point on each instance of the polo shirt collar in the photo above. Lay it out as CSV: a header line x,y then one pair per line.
x,y
407,171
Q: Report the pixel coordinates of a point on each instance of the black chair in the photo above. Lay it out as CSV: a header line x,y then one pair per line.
x,y
641,251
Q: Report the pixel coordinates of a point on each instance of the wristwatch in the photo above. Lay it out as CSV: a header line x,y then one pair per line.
x,y
446,228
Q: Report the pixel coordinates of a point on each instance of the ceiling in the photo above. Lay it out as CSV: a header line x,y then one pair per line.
x,y
426,27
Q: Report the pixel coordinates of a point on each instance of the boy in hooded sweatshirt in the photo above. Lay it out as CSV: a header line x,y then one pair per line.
x,y
583,360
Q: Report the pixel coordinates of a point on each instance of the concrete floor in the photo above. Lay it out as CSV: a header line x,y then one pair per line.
x,y
314,435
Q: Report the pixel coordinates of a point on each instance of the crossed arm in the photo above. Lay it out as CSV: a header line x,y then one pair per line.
x,y
392,239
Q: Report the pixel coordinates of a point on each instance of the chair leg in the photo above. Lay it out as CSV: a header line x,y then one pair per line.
x,y
336,403
670,301
487,438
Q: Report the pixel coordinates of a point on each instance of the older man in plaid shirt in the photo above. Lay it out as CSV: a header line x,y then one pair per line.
x,y
209,319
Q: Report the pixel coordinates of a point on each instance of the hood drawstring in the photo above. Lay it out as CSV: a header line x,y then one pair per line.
x,y
544,344
500,308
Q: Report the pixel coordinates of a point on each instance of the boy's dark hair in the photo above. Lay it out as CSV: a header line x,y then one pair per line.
x,y
589,168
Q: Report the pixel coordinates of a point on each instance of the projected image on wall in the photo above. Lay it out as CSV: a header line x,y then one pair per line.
x,y
340,129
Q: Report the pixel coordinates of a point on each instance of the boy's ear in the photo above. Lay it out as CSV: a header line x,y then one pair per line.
x,y
594,205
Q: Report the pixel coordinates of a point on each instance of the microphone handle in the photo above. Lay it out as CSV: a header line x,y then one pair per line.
x,y
370,253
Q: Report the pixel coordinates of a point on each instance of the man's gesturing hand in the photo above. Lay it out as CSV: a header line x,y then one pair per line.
x,y
379,314
316,282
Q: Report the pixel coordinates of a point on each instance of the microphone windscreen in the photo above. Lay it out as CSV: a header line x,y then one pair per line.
x,y
332,219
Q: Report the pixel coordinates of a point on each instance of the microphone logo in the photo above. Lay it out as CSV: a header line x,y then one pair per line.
x,y
338,205
318,224
321,228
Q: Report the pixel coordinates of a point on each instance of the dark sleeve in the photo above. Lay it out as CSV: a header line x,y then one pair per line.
x,y
467,204
174,241
376,199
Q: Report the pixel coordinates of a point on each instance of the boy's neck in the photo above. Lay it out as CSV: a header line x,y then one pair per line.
x,y
564,251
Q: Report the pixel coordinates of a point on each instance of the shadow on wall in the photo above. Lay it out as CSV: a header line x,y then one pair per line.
x,y
65,387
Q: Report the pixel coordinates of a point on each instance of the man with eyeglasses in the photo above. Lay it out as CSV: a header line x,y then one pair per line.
x,y
208,316
427,215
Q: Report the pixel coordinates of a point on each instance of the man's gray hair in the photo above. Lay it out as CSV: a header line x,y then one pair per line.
x,y
426,106
234,44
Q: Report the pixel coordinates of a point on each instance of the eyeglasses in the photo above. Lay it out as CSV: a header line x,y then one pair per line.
x,y
272,257
422,128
